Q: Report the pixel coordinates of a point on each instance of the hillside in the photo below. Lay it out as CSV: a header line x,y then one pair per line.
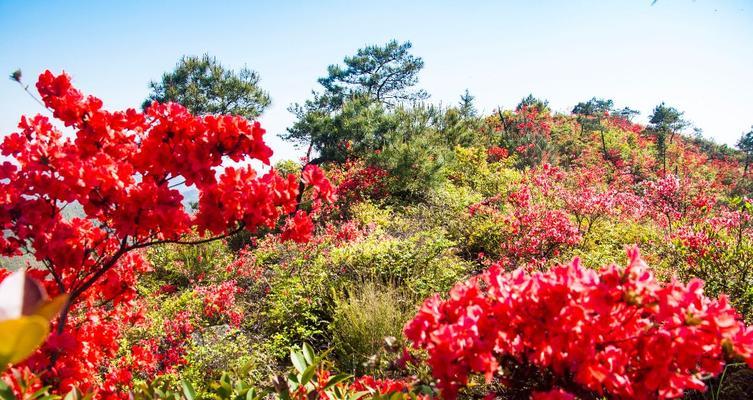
x,y
417,251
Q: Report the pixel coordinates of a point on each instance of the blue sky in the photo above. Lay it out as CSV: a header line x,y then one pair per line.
x,y
694,55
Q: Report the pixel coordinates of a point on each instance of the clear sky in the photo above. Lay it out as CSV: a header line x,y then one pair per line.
x,y
694,55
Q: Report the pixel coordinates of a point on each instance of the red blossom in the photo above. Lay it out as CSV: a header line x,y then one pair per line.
x,y
299,229
123,169
617,332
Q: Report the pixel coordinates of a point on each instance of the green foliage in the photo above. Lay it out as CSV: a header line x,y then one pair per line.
x,y
359,123
593,107
181,265
204,86
309,378
607,240
297,308
626,112
665,122
224,350
667,119
354,98
421,146
532,102
383,73
423,263
470,168
44,393
363,318
590,114
745,144
286,167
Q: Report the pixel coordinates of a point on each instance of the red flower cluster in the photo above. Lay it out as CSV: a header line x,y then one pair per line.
x,y
664,197
624,124
554,394
22,383
323,189
83,350
616,332
356,180
496,153
299,229
533,120
219,299
534,232
382,386
124,169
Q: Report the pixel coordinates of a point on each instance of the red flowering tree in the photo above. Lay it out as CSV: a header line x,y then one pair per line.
x,y
123,169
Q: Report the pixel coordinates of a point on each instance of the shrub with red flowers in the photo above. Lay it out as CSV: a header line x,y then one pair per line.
x,y
526,131
496,153
624,124
718,250
219,301
616,332
124,169
382,386
532,233
356,180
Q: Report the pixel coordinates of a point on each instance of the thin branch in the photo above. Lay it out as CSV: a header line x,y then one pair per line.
x,y
176,184
188,242
26,89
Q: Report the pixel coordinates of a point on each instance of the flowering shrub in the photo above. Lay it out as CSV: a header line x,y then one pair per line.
x,y
356,180
718,250
615,332
531,232
123,168
526,131
496,153
219,301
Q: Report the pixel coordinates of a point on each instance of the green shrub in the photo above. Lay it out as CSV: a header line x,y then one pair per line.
x,y
179,265
423,263
363,318
222,350
297,309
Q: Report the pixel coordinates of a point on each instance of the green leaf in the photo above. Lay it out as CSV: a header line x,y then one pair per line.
x,y
358,395
334,380
299,362
42,394
307,374
308,353
293,381
5,392
188,390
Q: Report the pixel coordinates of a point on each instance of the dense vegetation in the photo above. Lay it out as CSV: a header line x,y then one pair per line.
x,y
416,251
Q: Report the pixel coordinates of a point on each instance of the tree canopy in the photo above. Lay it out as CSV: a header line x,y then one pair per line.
x,y
667,119
372,82
386,74
204,86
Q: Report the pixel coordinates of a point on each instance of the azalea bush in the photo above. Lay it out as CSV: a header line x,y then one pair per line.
x,y
578,332
123,169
